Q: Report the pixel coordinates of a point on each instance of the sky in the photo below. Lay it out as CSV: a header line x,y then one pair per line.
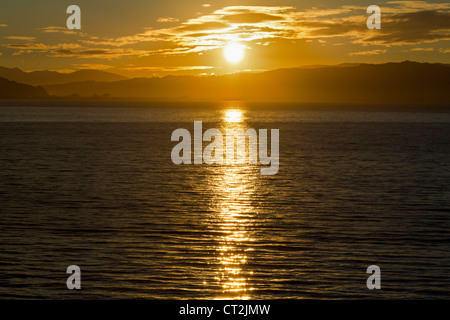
x,y
139,38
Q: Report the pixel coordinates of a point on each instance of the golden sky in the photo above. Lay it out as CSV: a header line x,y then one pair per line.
x,y
154,38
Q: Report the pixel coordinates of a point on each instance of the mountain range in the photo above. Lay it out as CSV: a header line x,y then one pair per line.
x,y
13,90
403,82
45,77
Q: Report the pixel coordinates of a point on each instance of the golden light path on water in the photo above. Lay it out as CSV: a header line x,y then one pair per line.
x,y
234,186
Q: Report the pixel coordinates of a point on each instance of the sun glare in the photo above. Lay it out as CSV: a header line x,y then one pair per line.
x,y
233,116
234,52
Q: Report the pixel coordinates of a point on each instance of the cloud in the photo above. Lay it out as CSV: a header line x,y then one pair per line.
x,y
420,5
92,66
75,50
235,23
413,27
41,46
367,52
21,38
397,28
167,19
53,29
254,9
2,25
167,69
422,49
249,18
203,27
99,53
319,13
403,23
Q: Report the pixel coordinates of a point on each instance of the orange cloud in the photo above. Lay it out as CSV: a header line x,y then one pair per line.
x,y
167,19
367,52
63,30
20,38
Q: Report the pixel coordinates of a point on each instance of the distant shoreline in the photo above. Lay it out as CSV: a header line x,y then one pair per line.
x,y
141,103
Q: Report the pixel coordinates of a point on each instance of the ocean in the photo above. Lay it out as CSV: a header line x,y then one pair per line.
x,y
92,184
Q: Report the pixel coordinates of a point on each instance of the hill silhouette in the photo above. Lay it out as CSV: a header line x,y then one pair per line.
x,y
46,77
13,90
405,82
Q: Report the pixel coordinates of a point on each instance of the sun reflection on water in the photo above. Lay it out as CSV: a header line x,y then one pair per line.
x,y
234,240
233,188
233,115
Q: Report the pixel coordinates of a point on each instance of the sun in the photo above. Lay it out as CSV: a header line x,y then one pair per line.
x,y
234,52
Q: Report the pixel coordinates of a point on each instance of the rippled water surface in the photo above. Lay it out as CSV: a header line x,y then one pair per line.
x,y
94,186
